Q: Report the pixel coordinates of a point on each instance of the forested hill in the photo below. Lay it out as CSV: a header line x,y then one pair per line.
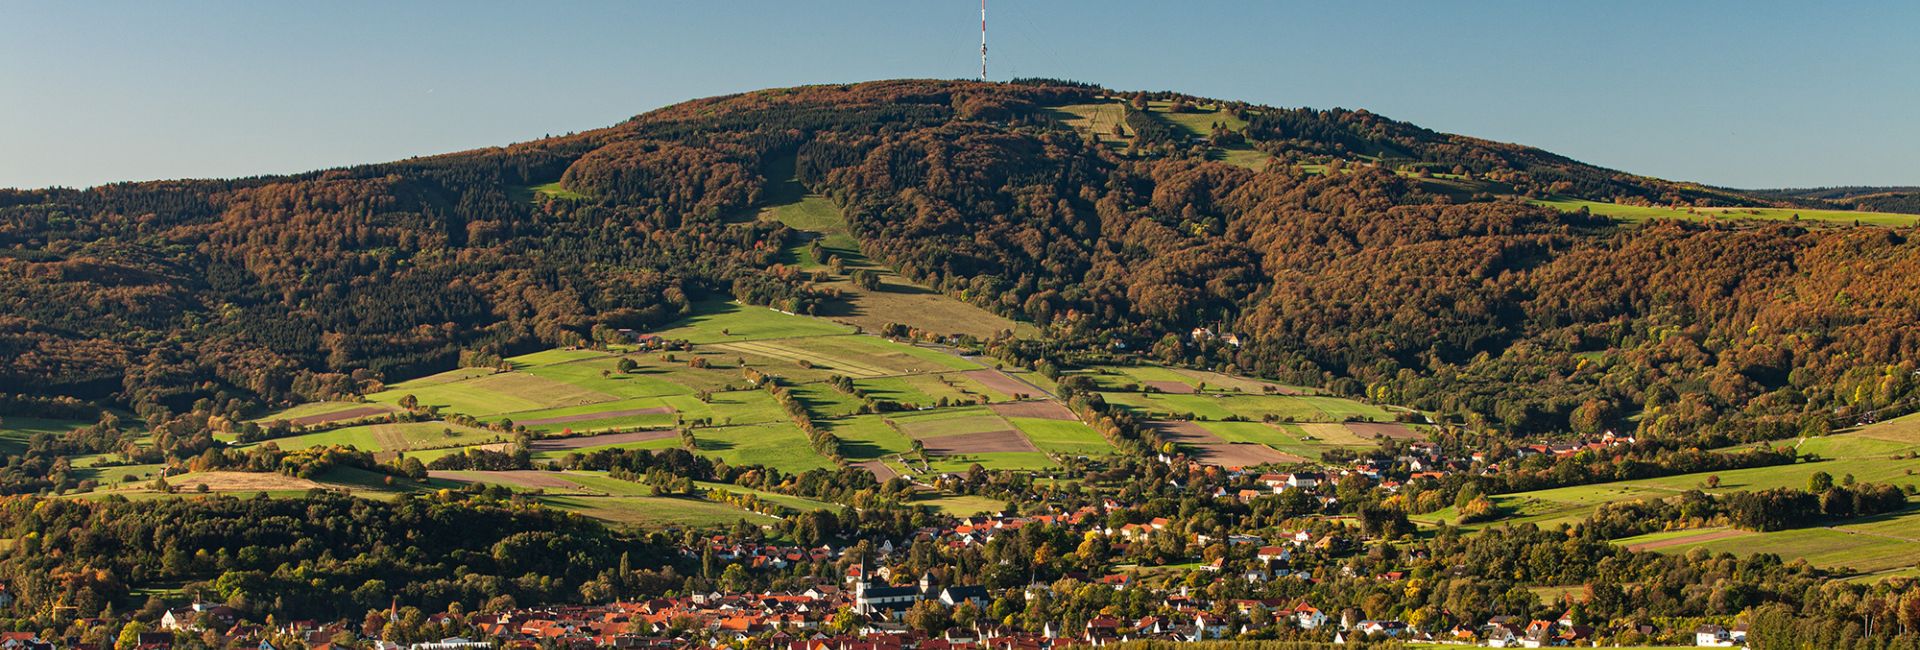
x,y
1342,248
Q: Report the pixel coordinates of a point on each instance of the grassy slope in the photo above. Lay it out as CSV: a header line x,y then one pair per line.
x,y
898,300
1867,545
1642,213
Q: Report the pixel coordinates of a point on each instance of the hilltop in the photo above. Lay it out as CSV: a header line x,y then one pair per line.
x,y
1330,248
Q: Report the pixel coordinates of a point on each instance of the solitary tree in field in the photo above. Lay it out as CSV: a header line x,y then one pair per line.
x,y
1819,482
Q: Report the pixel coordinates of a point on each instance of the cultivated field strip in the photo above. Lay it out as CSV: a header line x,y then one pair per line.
x,y
779,350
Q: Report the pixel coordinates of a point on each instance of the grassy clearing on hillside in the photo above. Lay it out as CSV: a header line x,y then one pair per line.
x,y
402,436
553,356
1868,454
497,393
555,191
733,322
898,300
1641,213
1199,121
450,376
602,375
1833,548
1100,119
316,409
853,356
17,430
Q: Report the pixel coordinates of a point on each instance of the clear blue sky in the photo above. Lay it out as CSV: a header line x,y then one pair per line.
x,y
1746,94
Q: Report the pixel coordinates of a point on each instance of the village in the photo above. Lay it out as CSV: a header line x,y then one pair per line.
x,y
859,598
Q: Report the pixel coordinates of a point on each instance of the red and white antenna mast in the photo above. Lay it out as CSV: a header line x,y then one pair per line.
x,y
983,40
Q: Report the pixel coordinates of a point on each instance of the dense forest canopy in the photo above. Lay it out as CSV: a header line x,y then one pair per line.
x,y
1340,264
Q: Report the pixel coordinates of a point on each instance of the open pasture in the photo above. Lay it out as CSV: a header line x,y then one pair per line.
x,y
983,442
1215,381
651,377
1105,120
1199,120
717,322
1840,547
1389,430
324,412
16,430
1002,383
1216,406
497,393
400,436
949,421
1642,213
520,478
855,356
825,401
1285,438
602,441
778,445
1031,461
926,390
868,437
1034,409
553,356
656,512
627,413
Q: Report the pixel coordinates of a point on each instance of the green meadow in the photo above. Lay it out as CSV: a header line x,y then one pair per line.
x,y
1871,454
1642,213
581,400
